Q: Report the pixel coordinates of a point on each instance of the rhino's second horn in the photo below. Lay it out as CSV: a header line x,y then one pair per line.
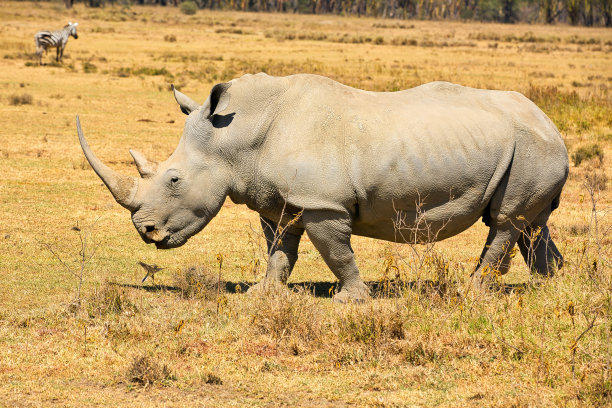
x,y
122,187
145,167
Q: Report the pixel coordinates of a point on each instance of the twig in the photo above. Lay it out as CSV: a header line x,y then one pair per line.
x,y
50,248
518,350
574,345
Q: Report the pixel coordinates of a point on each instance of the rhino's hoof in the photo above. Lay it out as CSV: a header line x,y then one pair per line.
x,y
265,286
485,284
360,294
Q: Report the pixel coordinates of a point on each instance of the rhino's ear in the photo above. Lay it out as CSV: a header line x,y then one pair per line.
x,y
219,99
187,104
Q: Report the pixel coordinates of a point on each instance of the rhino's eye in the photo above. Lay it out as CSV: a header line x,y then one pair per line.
x,y
174,180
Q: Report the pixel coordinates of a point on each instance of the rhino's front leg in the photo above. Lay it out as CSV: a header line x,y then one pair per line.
x,y
330,232
282,251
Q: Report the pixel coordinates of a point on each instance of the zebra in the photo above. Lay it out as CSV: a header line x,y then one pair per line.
x,y
54,39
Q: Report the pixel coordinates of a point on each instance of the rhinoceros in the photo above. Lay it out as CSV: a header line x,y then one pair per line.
x,y
310,154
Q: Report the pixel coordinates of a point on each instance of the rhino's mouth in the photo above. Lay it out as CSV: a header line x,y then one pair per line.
x,y
171,241
163,244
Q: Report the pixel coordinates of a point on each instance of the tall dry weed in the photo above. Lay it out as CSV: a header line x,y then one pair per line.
x,y
145,371
110,299
197,282
283,314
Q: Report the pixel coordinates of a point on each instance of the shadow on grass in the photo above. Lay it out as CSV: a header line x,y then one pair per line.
x,y
378,289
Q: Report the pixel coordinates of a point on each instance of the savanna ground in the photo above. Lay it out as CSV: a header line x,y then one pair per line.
x,y
75,333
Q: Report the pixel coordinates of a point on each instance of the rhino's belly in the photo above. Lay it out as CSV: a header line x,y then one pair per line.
x,y
407,221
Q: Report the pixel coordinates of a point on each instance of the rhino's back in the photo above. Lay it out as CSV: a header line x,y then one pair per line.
x,y
441,145
388,143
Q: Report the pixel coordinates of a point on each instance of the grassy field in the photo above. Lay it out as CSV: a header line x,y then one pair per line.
x,y
77,328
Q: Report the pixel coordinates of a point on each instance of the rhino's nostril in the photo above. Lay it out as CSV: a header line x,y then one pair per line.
x,y
149,228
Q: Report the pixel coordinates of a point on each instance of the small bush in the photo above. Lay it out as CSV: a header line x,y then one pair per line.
x,y
170,38
419,354
109,299
550,97
151,71
23,99
403,41
189,8
586,153
282,314
597,181
145,371
371,327
574,39
212,379
89,68
198,282
229,31
125,72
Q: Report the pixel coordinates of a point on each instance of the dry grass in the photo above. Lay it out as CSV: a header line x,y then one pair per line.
x,y
185,340
145,371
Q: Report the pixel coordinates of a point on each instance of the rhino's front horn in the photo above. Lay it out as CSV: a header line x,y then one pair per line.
x,y
145,168
123,188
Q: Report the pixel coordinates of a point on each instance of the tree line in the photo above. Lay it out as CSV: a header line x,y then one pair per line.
x,y
575,12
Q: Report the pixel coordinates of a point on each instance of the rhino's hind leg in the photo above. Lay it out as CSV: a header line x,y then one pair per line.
x,y
330,232
282,251
496,255
538,249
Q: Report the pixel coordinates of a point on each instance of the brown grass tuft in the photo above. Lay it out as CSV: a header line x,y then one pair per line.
x,y
109,299
145,371
212,379
23,99
282,314
198,282
583,153
371,325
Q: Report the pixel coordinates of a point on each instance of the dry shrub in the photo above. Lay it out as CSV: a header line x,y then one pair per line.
x,y
488,36
550,96
578,229
23,99
282,313
198,282
89,68
125,72
597,181
145,371
313,36
574,39
587,153
370,325
230,31
212,379
597,391
108,300
170,38
419,353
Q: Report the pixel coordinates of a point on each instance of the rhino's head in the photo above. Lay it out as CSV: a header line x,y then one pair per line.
x,y
175,199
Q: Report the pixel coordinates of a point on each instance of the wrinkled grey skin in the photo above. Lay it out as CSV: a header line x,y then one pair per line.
x,y
438,156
